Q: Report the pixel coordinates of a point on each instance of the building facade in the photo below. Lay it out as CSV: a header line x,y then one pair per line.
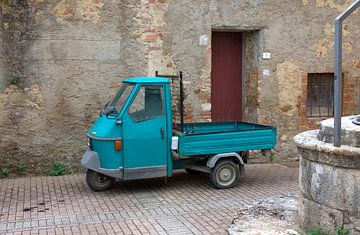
x,y
264,61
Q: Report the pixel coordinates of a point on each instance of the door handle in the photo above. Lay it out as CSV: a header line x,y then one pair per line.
x,y
162,131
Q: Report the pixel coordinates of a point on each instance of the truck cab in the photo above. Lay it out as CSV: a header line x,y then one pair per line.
x,y
131,137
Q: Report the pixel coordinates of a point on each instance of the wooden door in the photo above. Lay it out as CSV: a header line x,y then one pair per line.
x,y
226,72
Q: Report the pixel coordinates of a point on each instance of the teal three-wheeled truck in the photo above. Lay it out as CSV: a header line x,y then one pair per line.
x,y
134,138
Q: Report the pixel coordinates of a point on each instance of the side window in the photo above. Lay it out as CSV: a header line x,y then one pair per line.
x,y
147,104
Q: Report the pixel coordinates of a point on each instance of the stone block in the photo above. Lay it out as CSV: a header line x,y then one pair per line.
x,y
314,215
334,187
355,223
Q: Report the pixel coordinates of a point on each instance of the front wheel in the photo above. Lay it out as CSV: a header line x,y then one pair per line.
x,y
224,174
98,181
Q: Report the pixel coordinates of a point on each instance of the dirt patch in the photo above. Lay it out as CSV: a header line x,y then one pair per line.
x,y
273,215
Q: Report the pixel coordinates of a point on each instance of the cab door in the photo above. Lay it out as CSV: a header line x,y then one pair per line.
x,y
145,135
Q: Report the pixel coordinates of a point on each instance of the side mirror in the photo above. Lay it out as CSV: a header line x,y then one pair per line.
x,y
109,110
119,122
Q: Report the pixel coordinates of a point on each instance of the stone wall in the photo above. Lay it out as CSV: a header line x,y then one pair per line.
x,y
69,56
72,55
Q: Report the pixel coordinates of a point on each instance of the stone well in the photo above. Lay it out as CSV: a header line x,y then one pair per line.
x,y
330,177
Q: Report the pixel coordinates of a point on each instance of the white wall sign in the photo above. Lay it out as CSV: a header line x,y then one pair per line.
x,y
203,40
266,72
266,55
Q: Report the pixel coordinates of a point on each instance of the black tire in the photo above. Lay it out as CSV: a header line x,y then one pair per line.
x,y
98,181
192,172
224,174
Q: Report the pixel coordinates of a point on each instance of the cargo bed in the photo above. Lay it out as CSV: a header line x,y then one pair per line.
x,y
224,137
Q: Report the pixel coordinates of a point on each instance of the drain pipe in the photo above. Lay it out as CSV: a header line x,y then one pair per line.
x,y
338,71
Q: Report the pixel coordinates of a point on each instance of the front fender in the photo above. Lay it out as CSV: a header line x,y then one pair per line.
x,y
90,160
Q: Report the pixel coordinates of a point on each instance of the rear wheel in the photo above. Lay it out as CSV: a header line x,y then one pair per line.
x,y
98,181
224,174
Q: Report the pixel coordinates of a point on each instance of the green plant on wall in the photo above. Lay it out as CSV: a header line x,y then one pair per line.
x,y
342,230
15,79
272,157
57,169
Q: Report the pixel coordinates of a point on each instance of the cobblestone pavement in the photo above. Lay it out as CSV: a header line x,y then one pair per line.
x,y
186,204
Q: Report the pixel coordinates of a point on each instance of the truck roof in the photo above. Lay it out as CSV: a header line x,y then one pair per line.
x,y
147,80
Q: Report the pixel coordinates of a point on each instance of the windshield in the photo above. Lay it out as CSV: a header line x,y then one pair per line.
x,y
119,100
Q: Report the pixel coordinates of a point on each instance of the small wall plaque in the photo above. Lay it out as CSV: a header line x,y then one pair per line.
x,y
266,55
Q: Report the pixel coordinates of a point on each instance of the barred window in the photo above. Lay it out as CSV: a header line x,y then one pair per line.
x,y
320,95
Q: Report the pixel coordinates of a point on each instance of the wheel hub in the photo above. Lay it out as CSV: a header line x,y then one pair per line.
x,y
225,174
102,178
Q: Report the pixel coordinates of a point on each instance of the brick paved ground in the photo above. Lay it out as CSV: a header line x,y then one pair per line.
x,y
184,205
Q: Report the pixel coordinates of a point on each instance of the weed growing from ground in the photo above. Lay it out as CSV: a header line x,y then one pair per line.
x,y
57,169
4,172
339,231
21,166
342,230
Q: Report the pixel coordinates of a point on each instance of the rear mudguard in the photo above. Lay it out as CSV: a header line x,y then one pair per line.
x,y
213,160
90,160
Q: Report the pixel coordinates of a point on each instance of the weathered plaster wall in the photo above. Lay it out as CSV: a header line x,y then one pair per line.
x,y
299,36
68,54
72,55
